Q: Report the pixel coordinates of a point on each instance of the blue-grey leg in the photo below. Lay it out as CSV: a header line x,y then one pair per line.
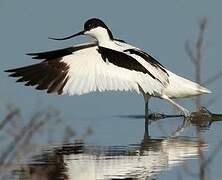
x,y
146,101
184,110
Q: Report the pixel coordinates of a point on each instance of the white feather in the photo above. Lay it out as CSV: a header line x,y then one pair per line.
x,y
89,72
180,87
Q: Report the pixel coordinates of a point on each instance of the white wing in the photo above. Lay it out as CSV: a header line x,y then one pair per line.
x,y
89,72
82,69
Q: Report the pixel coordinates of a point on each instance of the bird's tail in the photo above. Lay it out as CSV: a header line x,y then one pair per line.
x,y
180,87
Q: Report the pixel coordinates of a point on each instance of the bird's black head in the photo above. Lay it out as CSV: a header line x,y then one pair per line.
x,y
93,23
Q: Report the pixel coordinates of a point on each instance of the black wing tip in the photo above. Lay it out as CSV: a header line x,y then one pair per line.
x,y
30,54
14,70
34,55
56,39
8,71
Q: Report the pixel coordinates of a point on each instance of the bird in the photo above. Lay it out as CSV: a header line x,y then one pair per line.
x,y
105,64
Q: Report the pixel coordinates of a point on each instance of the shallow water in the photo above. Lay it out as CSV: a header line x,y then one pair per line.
x,y
120,148
81,161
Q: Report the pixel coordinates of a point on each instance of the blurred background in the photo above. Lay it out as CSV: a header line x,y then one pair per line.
x,y
169,30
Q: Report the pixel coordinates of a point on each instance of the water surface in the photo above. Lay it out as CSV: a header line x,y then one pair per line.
x,y
167,149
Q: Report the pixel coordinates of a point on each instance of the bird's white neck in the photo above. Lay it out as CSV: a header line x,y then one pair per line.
x,y
101,35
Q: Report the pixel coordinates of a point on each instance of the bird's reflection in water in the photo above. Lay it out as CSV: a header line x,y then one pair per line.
x,y
143,160
140,160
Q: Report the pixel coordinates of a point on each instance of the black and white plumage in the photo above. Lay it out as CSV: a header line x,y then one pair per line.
x,y
102,65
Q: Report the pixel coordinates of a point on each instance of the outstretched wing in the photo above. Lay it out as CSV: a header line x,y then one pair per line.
x,y
51,73
86,68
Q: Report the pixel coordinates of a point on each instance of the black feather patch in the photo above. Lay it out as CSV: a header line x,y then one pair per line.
x,y
50,75
147,58
50,55
122,60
